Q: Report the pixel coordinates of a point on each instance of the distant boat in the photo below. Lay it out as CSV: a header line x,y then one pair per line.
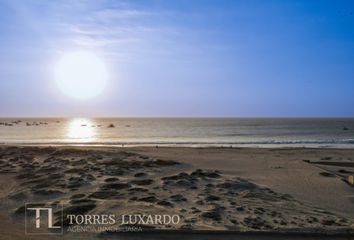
x,y
111,125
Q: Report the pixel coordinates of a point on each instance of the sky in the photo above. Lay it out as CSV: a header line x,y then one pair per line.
x,y
182,58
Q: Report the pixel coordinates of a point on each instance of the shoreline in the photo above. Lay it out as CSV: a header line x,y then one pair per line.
x,y
177,145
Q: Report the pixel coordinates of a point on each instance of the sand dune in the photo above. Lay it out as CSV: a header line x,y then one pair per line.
x,y
239,190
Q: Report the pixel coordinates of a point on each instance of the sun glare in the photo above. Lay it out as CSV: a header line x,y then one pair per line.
x,y
81,75
81,129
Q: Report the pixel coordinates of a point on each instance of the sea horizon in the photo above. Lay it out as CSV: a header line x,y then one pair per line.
x,y
180,132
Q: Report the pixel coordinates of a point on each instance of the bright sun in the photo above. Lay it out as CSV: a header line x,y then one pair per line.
x,y
81,75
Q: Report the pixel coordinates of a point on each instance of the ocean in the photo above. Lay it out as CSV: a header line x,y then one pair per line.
x,y
189,132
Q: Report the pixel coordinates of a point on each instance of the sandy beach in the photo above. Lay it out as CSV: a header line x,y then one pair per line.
x,y
211,189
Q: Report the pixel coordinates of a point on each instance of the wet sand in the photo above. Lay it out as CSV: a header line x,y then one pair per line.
x,y
211,189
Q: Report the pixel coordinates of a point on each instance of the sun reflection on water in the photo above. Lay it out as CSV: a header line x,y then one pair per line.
x,y
82,129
